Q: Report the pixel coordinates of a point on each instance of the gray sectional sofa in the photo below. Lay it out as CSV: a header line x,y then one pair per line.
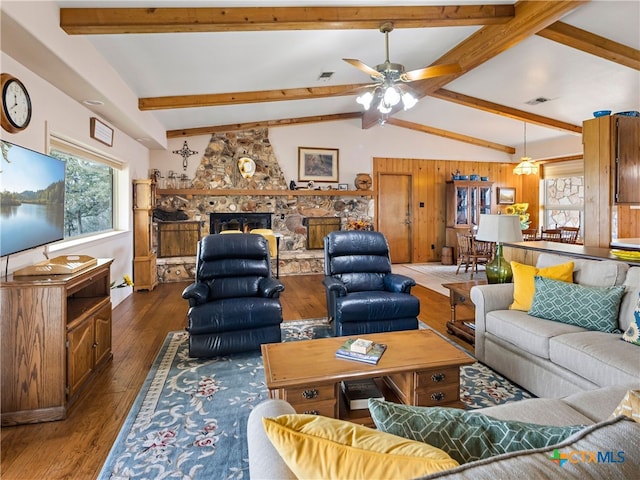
x,y
553,359
591,408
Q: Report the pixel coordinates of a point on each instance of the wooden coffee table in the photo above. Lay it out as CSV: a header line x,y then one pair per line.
x,y
418,368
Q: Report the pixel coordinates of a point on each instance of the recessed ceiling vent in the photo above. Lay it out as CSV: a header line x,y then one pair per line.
x,y
537,101
325,76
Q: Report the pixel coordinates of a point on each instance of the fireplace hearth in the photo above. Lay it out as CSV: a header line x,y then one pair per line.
x,y
243,221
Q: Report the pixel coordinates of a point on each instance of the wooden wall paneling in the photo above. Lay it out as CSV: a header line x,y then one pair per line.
x,y
628,222
429,180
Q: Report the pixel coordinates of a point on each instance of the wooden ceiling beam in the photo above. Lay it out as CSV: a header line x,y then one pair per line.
x,y
451,135
93,21
186,132
504,111
237,98
488,42
591,43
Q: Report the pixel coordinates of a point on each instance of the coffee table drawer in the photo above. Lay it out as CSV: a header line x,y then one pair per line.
x,y
438,378
438,396
310,394
326,408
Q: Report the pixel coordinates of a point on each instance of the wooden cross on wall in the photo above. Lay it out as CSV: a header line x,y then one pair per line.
x,y
185,152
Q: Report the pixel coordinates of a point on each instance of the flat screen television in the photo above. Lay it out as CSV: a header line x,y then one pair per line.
x,y
31,199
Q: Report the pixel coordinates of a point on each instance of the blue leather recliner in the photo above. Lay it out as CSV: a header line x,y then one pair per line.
x,y
363,296
234,302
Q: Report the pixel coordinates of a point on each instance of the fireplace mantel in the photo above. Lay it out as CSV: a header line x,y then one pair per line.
x,y
186,192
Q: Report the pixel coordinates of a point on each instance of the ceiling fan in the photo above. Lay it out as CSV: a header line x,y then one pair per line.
x,y
389,77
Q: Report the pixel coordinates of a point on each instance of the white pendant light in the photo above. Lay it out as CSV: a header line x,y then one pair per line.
x,y
526,166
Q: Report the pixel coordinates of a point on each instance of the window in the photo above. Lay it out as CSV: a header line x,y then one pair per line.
x,y
563,191
90,188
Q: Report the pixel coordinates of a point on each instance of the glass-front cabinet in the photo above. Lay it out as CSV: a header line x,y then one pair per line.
x,y
466,200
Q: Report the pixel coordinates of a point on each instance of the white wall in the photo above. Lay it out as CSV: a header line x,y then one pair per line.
x,y
54,111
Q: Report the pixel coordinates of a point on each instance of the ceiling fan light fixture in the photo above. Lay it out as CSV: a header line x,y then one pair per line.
x,y
365,100
384,109
391,96
408,100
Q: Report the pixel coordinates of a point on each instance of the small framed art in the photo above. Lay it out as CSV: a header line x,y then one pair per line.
x,y
101,131
343,186
506,195
317,164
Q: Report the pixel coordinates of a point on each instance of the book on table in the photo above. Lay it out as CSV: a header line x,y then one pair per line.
x,y
358,392
372,356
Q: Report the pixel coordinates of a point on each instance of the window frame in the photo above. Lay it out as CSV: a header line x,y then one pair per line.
x,y
120,221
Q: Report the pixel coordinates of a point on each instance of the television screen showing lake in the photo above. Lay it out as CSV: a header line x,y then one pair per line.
x,y
31,199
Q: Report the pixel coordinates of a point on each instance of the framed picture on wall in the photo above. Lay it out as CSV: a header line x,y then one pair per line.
x,y
506,195
317,164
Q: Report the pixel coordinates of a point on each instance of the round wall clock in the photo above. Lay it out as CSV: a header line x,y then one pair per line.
x,y
16,104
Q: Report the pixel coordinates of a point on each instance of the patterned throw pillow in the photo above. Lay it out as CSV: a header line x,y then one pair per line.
x,y
632,334
593,308
465,435
629,406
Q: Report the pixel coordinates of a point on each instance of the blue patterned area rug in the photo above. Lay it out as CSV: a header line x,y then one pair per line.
x,y
189,419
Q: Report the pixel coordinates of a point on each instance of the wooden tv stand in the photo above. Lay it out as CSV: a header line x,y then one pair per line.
x,y
56,335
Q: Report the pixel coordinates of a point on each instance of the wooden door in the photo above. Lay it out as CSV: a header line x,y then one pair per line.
x,y
394,214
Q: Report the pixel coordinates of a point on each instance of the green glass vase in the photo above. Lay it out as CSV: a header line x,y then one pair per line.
x,y
498,269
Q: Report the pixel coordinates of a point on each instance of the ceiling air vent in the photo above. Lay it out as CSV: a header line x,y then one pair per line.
x,y
325,76
537,100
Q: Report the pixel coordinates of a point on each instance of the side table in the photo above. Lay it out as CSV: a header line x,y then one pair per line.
x,y
459,295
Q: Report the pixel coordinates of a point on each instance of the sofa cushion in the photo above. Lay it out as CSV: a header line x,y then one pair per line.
x,y
598,404
532,410
523,284
602,358
465,435
593,308
528,333
319,447
594,273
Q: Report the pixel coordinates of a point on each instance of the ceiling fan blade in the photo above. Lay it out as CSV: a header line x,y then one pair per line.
x,y
363,67
430,72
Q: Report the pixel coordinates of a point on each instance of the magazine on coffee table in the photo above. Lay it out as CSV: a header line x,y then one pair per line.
x,y
372,356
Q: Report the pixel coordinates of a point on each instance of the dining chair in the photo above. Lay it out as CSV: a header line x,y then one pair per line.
x,y
472,253
552,235
569,234
530,234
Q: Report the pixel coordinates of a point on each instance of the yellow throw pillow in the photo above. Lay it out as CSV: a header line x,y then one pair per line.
x,y
524,287
319,447
629,406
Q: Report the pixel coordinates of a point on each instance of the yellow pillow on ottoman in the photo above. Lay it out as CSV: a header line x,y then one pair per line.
x,y
524,287
319,447
629,406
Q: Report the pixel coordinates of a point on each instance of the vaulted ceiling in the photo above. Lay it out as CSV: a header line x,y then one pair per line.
x,y
201,67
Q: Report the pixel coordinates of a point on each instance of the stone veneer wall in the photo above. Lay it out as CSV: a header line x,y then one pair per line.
x,y
218,170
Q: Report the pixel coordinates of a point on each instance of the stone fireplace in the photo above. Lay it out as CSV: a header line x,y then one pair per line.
x,y
219,194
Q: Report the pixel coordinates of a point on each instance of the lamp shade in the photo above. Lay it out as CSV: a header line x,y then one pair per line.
x,y
525,167
499,228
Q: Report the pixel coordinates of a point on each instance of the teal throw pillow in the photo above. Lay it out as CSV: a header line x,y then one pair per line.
x,y
593,308
632,334
465,435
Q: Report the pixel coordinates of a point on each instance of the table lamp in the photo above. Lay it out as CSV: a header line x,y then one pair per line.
x,y
499,229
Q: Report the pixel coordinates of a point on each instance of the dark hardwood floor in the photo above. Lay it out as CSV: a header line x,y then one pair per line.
x,y
78,446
